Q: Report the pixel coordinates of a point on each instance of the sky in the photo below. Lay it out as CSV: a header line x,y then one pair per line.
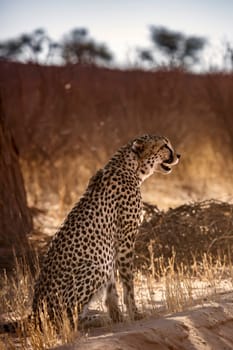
x,y
121,24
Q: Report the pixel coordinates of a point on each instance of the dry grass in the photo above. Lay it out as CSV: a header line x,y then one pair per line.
x,y
16,299
175,288
186,286
64,135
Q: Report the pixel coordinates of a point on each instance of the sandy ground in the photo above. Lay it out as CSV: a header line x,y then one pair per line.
x,y
209,326
206,323
206,326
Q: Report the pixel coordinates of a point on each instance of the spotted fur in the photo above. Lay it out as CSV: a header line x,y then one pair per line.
x,y
98,235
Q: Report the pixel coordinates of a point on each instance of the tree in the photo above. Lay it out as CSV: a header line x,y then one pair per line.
x,y
146,55
15,219
192,46
167,41
178,49
32,47
77,47
228,56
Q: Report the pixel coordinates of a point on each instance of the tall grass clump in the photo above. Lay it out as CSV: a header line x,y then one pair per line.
x,y
16,299
185,286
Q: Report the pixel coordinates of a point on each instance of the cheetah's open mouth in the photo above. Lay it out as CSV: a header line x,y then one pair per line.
x,y
165,167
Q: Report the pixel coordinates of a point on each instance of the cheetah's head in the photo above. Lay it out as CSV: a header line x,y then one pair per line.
x,y
155,154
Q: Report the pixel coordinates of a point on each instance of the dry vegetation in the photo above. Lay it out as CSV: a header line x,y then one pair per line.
x,y
15,301
67,121
191,230
172,274
176,288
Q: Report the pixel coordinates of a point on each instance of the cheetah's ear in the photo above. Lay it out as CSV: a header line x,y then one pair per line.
x,y
138,147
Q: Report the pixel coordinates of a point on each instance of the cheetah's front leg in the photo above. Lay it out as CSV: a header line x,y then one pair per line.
x,y
125,267
112,302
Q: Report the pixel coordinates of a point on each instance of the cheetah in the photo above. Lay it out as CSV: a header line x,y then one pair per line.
x,y
98,235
